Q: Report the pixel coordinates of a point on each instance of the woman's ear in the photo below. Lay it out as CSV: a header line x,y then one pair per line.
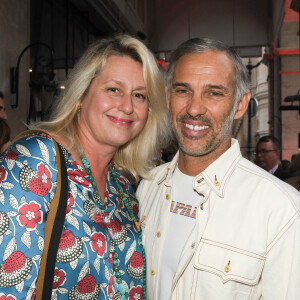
x,y
242,106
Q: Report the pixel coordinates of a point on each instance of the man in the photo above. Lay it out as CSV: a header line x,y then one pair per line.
x,y
267,155
2,107
215,226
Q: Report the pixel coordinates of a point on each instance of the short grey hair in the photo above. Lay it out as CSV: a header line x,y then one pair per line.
x,y
200,45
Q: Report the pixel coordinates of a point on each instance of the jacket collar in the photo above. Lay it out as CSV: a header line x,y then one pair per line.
x,y
215,175
167,176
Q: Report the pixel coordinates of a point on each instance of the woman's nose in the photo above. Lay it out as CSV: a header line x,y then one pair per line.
x,y
126,104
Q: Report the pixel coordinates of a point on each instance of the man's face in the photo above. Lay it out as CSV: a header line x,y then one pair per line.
x,y
202,103
266,155
2,110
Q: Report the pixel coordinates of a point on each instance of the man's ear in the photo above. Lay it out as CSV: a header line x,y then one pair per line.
x,y
167,97
242,106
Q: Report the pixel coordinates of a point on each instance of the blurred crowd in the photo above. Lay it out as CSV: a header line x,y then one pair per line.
x,y
267,156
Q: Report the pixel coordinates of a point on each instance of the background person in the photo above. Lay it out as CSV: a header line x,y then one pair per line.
x,y
110,116
4,135
216,226
267,156
2,107
294,180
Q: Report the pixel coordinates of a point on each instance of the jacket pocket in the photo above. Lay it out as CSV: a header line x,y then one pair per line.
x,y
228,262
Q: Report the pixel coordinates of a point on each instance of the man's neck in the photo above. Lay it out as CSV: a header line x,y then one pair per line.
x,y
193,165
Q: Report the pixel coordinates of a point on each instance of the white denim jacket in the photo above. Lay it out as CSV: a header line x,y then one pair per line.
x,y
246,242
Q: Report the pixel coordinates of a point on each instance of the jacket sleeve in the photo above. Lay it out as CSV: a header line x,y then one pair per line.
x,y
28,175
281,273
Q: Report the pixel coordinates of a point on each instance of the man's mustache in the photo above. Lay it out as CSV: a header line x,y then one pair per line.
x,y
194,118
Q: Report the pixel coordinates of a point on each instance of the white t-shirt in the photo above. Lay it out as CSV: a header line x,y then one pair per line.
x,y
182,220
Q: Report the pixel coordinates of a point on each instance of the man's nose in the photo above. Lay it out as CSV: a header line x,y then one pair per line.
x,y
258,153
197,105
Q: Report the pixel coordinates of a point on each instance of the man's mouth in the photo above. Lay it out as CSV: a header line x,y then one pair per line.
x,y
195,127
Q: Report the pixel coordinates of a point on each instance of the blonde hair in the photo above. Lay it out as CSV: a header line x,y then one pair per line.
x,y
136,156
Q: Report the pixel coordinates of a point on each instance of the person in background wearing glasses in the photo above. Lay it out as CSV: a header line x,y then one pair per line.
x,y
267,156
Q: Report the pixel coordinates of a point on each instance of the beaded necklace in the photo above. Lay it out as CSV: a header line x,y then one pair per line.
x,y
112,249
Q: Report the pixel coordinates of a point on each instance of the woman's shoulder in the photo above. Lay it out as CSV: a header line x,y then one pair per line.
x,y
32,144
30,163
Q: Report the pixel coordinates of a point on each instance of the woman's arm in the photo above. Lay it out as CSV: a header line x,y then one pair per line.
x,y
28,176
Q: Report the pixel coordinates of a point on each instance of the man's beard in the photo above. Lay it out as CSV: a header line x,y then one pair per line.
x,y
214,141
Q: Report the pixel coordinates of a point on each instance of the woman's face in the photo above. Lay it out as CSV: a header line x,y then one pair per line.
x,y
115,108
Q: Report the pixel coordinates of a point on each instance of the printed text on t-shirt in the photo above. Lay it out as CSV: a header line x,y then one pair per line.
x,y
183,209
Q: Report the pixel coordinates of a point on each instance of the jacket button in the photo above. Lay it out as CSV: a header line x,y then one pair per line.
x,y
158,234
200,180
153,272
227,268
167,196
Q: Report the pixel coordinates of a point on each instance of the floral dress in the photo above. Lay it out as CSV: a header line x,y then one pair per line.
x,y
84,269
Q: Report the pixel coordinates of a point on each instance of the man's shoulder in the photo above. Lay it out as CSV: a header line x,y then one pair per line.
x,y
266,185
156,173
161,169
281,173
154,177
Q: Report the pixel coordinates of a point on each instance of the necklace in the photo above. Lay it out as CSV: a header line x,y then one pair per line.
x,y
87,167
112,249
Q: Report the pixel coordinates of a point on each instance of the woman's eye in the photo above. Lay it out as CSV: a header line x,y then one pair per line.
x,y
140,97
113,90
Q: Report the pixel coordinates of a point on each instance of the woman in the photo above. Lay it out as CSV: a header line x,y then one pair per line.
x,y
110,117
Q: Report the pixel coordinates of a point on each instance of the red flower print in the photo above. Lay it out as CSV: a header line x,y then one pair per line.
x,y
44,174
99,220
87,288
110,291
119,199
30,215
38,187
78,166
3,174
11,154
7,297
59,278
135,208
70,202
33,295
43,134
78,177
15,269
98,243
124,182
69,248
136,293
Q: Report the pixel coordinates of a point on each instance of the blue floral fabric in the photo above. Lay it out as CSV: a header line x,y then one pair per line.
x,y
84,268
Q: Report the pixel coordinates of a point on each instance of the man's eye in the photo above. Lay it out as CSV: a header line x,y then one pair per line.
x,y
216,93
182,92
